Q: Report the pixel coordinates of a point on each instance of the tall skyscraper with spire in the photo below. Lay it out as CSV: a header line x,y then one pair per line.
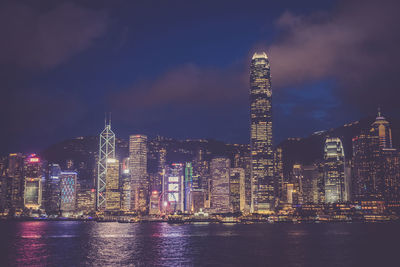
x,y
106,153
262,156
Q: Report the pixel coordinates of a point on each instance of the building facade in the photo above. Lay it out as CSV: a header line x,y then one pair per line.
x,y
334,171
113,195
173,191
68,181
262,155
220,187
138,172
33,175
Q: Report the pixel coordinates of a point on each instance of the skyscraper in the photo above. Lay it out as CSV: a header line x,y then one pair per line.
x,y
125,185
138,172
237,189
14,173
188,185
262,156
334,171
53,189
68,181
106,151
173,191
382,129
33,174
220,175
113,195
375,163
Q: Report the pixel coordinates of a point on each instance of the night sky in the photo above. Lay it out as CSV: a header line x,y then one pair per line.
x,y
181,68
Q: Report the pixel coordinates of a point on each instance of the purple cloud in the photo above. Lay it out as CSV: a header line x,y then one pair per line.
x,y
36,38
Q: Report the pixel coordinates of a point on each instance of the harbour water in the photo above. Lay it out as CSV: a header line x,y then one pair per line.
x,y
199,244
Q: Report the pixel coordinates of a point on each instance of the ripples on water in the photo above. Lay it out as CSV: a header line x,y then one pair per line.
x,y
162,244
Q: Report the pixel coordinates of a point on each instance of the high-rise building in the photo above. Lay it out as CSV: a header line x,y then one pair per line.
x,y
16,181
382,130
138,172
375,163
154,207
86,200
68,180
279,179
188,185
334,167
53,189
173,191
366,154
311,184
113,195
33,175
237,189
219,185
106,151
125,185
262,155
297,180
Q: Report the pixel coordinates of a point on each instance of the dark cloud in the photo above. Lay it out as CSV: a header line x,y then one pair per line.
x,y
356,44
187,86
37,38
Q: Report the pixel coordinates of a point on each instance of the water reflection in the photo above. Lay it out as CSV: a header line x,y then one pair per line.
x,y
30,246
162,244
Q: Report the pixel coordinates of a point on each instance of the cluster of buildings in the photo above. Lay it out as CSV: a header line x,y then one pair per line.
x,y
250,180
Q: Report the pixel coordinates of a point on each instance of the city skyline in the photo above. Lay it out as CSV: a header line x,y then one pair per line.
x,y
113,65
199,133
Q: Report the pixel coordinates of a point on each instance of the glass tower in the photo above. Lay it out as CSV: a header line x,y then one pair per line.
x,y
262,156
334,171
138,172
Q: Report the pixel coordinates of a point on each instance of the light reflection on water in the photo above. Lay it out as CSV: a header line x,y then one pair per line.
x,y
162,244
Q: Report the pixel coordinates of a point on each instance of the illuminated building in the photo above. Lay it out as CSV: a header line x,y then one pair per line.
x,y
375,163
188,185
201,176
279,185
334,170
106,151
237,189
113,195
52,191
138,172
311,184
173,188
33,176
220,175
125,185
382,130
347,181
68,181
297,181
366,154
262,156
86,200
289,192
16,181
198,199
390,163
154,203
